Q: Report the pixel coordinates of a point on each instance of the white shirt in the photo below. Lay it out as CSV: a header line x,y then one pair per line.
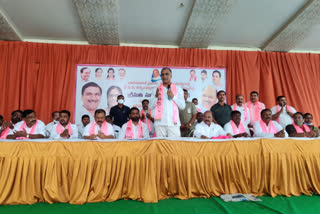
x,y
49,127
40,129
56,136
228,128
97,129
259,133
285,118
151,123
116,130
166,119
214,130
145,131
81,130
241,109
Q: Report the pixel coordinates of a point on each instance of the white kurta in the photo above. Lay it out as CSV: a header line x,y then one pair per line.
x,y
241,109
228,128
97,129
40,129
56,136
214,130
259,133
167,114
285,118
151,123
49,127
145,131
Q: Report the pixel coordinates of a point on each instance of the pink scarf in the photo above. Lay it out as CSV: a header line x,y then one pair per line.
x,y
235,107
198,109
221,137
257,108
159,104
300,130
272,128
60,128
144,120
5,133
129,130
22,127
193,79
278,109
237,130
104,128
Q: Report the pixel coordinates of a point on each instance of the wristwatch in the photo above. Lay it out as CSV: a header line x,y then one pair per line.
x,y
28,136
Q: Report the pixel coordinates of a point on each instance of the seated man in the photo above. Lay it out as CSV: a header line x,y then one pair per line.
x,y
99,128
55,120
29,128
298,129
308,118
266,127
64,129
16,117
134,128
116,128
199,118
207,129
236,127
282,113
85,120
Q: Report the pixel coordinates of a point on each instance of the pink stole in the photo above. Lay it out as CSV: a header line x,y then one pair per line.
x,y
272,128
59,129
237,130
256,110
300,130
159,104
144,120
198,109
235,107
104,128
5,133
278,109
129,130
23,125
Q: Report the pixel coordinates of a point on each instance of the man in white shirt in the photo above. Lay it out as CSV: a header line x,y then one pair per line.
x,y
99,128
116,129
255,107
166,100
282,113
207,129
85,120
268,128
147,116
239,106
236,127
29,128
134,128
55,120
16,117
64,129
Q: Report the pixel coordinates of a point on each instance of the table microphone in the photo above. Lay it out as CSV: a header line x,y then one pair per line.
x,y
169,98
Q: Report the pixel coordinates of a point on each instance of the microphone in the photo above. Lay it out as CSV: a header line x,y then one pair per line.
x,y
169,98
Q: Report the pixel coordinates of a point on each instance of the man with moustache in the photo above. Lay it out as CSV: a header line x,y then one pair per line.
x,y
282,113
268,128
85,120
64,129
255,107
134,128
85,74
236,127
299,129
166,100
6,127
187,116
221,111
99,128
147,116
91,97
207,129
239,106
55,120
29,128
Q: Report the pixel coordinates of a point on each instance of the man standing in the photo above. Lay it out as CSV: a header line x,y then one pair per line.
x,y
298,129
64,129
134,128
236,127
29,128
99,128
255,107
187,116
55,120
85,120
239,106
195,102
221,111
282,113
268,128
91,97
146,116
166,100
120,112
207,129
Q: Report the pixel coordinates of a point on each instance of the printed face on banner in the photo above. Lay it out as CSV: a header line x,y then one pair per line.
x,y
106,82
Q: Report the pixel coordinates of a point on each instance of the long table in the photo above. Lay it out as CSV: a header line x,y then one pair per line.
x,y
92,171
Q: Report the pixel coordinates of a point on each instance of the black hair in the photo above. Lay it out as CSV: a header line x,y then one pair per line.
x,y
254,92
27,112
298,113
216,71
98,111
166,68
145,100
264,110
221,92
185,90
66,112
279,97
134,108
307,114
12,113
85,116
204,71
90,84
97,69
120,96
54,113
82,69
235,112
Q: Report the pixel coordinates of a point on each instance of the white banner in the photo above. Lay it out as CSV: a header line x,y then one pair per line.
x,y
99,85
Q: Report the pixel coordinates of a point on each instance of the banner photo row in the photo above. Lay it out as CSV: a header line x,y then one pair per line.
x,y
98,86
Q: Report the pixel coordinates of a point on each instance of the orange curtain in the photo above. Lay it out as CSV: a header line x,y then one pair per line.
x,y
42,76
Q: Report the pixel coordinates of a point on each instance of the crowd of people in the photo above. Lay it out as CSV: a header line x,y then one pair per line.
x,y
168,113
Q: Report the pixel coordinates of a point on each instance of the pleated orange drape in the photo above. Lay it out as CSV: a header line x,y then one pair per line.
x,y
42,76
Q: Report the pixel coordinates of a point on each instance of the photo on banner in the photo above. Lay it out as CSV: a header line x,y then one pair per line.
x,y
98,86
